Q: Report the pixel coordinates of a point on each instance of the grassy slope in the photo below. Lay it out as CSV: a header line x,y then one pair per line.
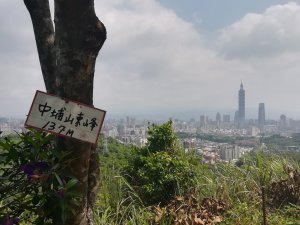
x,y
240,187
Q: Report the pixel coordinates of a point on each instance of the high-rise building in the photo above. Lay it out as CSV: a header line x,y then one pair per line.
x,y
229,152
202,120
218,117
241,111
236,118
226,118
283,121
261,115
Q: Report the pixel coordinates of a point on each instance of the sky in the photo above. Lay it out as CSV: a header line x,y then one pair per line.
x,y
171,58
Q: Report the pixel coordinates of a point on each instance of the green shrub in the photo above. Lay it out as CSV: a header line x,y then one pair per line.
x,y
160,170
34,187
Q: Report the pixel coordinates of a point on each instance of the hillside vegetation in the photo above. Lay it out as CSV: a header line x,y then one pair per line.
x,y
155,185
158,184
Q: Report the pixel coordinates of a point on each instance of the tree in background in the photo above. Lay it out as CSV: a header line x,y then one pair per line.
x,y
162,138
160,170
67,57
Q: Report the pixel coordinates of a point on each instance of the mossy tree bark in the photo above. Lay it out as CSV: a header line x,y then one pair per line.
x,y
67,57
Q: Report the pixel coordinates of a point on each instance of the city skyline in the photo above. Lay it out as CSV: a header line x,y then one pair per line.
x,y
172,58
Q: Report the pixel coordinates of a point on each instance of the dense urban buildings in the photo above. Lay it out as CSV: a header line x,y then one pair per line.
x,y
11,125
132,131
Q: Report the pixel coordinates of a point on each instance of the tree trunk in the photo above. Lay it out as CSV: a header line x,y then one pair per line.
x,y
67,57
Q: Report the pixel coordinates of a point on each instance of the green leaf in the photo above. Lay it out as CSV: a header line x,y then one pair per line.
x,y
59,180
71,183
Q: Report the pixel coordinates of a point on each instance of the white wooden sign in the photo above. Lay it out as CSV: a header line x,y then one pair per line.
x,y
65,117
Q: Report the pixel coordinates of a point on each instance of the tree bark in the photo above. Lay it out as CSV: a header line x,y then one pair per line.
x,y
44,37
67,57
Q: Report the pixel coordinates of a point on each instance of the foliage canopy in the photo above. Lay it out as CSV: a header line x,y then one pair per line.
x,y
160,170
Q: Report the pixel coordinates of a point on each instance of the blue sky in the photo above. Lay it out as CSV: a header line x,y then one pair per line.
x,y
172,57
211,15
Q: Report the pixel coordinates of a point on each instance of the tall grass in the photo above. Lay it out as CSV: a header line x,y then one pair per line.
x,y
120,204
240,187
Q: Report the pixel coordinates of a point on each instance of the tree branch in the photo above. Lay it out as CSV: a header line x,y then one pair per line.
x,y
44,36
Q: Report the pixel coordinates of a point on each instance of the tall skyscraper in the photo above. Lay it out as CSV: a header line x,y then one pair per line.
x,y
261,115
226,118
241,111
236,118
283,121
218,117
202,120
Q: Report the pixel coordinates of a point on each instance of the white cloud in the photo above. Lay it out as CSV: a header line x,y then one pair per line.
x,y
269,43
20,73
276,31
153,60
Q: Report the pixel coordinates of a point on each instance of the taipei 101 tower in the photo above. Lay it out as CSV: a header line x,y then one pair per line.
x,y
241,111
